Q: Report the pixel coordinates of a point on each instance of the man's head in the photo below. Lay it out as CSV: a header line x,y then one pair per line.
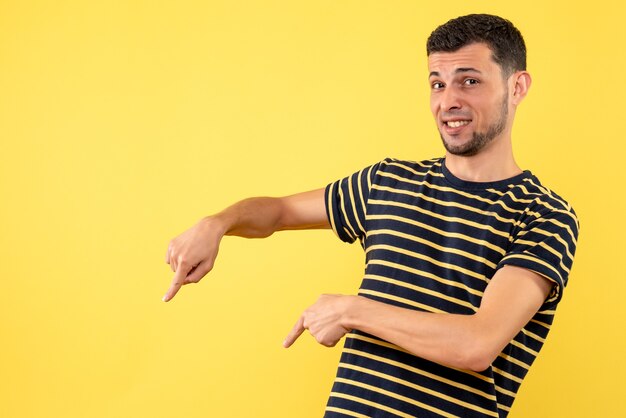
x,y
505,41
477,75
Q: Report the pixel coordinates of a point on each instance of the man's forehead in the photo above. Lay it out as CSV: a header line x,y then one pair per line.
x,y
474,56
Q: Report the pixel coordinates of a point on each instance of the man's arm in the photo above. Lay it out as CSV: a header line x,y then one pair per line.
x,y
469,342
192,254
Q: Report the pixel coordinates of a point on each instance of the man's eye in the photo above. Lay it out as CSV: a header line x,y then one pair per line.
x,y
437,85
470,81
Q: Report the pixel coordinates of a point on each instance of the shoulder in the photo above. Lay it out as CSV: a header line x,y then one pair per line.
x,y
544,204
544,198
532,187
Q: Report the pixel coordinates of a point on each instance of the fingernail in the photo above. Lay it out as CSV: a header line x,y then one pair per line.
x,y
164,298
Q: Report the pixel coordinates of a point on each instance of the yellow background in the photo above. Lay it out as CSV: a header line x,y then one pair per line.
x,y
124,122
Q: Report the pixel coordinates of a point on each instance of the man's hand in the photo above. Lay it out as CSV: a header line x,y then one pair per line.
x,y
324,320
191,255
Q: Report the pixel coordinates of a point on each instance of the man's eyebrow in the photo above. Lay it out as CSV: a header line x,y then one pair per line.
x,y
466,70
457,71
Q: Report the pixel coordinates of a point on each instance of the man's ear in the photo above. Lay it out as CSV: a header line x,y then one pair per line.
x,y
521,83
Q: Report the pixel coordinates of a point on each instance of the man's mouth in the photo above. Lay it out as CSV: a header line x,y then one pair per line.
x,y
456,123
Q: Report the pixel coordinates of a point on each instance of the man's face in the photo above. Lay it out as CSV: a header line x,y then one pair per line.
x,y
469,98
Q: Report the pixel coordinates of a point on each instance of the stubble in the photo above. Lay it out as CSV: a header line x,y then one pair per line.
x,y
480,140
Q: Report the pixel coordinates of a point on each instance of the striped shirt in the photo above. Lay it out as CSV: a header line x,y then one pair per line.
x,y
432,242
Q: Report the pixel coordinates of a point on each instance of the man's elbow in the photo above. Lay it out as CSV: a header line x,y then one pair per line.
x,y
479,363
477,356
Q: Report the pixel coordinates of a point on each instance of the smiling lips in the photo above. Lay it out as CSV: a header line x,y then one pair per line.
x,y
456,123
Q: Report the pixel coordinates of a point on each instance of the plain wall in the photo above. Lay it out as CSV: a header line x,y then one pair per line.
x,y
124,122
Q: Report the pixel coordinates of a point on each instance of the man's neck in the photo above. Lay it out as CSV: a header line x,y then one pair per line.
x,y
494,163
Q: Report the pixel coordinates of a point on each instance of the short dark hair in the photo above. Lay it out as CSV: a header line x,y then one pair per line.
x,y
504,39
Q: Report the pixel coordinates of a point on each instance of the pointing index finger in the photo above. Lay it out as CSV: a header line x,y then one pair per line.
x,y
177,283
296,332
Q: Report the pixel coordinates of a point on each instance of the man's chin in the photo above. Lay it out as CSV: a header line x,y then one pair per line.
x,y
460,147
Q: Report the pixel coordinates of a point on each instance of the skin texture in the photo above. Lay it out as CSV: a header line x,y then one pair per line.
x,y
466,85
191,255
471,94
468,342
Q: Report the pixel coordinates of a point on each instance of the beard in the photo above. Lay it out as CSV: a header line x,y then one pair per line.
x,y
480,140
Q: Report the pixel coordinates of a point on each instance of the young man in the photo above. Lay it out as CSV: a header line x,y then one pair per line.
x,y
466,256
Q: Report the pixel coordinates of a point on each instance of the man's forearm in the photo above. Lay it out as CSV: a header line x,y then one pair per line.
x,y
450,339
256,217
192,254
469,342
260,217
511,299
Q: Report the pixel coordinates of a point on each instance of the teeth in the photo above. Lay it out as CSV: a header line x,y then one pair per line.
x,y
457,123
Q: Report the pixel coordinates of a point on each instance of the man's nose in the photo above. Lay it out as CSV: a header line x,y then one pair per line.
x,y
450,99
